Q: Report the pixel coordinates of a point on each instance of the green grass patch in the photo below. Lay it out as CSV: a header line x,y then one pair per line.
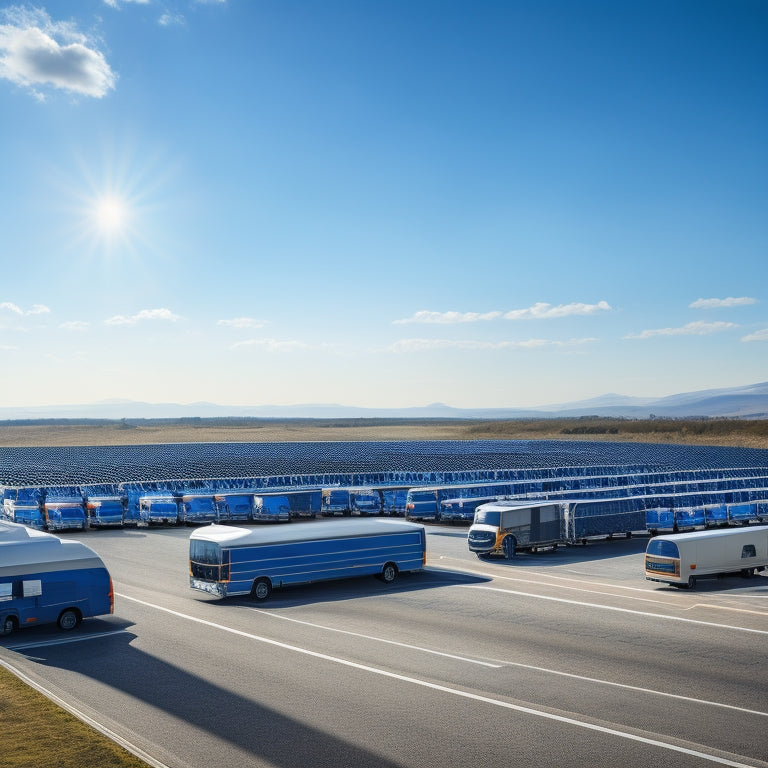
x,y
36,733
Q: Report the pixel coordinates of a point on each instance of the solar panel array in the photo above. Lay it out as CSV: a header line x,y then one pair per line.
x,y
162,463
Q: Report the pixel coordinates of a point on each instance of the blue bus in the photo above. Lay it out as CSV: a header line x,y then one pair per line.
x,y
272,509
226,561
105,511
234,506
197,508
336,501
44,579
159,510
65,514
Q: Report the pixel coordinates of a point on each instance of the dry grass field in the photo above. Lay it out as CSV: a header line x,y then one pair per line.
x,y
62,432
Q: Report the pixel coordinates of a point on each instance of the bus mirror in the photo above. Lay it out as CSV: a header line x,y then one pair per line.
x,y
32,588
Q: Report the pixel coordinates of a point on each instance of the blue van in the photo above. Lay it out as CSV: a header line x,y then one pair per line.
x,y
159,510
272,509
105,511
234,506
45,580
336,502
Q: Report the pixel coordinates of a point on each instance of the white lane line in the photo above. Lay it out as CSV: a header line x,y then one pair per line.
x,y
64,641
742,592
611,608
378,639
102,729
455,691
546,670
637,688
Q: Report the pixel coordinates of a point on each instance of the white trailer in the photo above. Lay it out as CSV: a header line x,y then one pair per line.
x,y
682,558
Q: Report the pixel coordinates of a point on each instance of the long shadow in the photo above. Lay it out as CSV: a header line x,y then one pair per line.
x,y
248,723
355,588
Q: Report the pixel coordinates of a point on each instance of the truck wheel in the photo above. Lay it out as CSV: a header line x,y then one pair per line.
x,y
508,545
68,619
7,625
261,589
388,573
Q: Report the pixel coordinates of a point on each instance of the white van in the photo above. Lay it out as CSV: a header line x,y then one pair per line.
x,y
504,527
682,558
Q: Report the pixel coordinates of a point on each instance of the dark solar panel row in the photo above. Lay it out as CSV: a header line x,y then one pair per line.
x,y
93,465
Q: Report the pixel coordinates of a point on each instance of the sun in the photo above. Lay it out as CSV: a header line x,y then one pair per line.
x,y
111,215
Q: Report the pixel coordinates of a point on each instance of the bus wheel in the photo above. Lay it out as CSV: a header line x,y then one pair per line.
x,y
508,545
691,582
68,619
261,589
7,625
388,573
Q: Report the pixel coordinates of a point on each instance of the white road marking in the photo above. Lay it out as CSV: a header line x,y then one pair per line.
x,y
64,641
611,608
102,729
378,639
454,691
649,691
502,577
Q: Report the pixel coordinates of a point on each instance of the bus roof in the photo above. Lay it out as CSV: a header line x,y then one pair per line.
x,y
712,533
231,536
20,545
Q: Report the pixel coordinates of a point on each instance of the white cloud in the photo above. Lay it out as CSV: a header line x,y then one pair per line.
x,y
425,316
423,345
539,311
761,335
75,325
171,20
145,314
35,51
36,309
117,3
270,345
742,301
691,329
242,322
543,311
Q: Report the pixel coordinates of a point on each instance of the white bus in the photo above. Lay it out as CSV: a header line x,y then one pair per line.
x,y
682,558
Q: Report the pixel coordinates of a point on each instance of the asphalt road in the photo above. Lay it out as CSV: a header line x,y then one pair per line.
x,y
562,658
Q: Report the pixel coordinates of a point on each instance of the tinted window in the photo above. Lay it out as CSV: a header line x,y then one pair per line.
x,y
749,551
663,548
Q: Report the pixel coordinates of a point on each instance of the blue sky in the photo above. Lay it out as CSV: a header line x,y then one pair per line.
x,y
385,204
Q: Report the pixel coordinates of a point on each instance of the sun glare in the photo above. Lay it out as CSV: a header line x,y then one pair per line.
x,y
111,215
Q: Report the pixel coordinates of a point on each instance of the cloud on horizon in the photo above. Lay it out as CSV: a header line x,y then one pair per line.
x,y
697,328
37,51
36,309
539,311
422,345
742,301
242,322
761,335
145,314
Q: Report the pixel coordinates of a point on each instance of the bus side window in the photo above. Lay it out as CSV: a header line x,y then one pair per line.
x,y
6,591
749,551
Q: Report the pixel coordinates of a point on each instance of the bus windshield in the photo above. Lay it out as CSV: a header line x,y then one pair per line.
x,y
488,517
662,548
208,561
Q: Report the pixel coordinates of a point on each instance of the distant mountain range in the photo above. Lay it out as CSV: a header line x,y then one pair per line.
x,y
748,402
